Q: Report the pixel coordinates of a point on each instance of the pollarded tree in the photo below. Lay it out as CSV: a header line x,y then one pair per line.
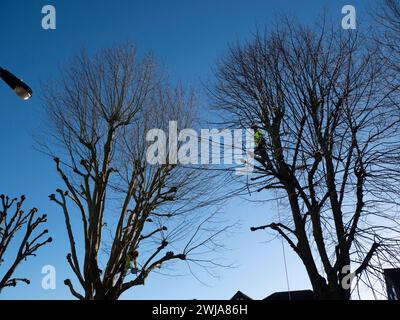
x,y
24,228
136,216
327,107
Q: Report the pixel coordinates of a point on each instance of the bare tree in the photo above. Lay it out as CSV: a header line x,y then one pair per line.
x,y
386,18
15,223
135,217
330,147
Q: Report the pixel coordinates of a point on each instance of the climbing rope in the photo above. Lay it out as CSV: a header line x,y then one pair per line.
x,y
284,253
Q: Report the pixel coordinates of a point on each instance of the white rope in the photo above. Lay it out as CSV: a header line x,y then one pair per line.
x,y
284,254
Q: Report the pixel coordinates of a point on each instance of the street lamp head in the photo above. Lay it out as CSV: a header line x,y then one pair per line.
x,y
24,92
20,88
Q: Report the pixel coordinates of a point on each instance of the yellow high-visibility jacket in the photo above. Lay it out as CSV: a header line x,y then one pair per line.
x,y
258,136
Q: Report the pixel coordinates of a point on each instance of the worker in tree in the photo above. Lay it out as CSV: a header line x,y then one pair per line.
x,y
132,258
258,136
259,144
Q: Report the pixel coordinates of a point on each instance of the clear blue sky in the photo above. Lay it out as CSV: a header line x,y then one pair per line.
x,y
187,36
